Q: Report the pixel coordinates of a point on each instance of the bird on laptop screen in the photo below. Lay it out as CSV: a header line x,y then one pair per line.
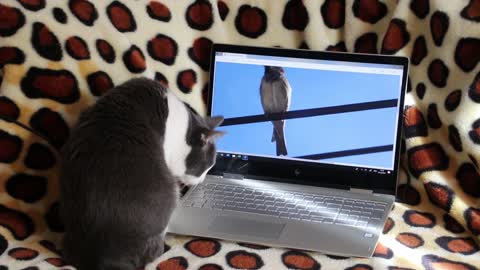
x,y
275,92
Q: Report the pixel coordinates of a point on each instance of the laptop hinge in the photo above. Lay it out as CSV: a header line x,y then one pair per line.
x,y
233,176
362,191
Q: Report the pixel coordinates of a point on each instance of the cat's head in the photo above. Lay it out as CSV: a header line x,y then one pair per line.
x,y
201,137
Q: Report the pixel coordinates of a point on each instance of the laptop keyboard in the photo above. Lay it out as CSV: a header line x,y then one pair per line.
x,y
288,205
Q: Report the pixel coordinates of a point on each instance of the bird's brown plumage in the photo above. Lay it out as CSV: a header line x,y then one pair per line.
x,y
275,92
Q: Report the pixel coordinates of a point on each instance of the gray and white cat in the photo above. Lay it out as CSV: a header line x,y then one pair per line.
x,y
121,169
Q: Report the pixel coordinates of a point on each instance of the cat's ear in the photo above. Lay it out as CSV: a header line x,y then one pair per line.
x,y
211,136
214,122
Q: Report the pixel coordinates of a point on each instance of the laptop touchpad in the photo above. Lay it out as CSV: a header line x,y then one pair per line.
x,y
240,226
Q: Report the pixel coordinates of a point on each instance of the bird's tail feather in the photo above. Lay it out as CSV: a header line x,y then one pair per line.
x,y
279,136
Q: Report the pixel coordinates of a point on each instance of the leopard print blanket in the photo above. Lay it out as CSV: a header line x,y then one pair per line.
x,y
58,57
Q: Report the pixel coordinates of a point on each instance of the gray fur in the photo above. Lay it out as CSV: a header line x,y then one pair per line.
x,y
117,192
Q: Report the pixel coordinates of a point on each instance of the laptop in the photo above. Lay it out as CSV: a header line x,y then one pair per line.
x,y
310,158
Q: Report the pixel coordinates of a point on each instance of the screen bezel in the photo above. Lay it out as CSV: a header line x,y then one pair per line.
x,y
307,173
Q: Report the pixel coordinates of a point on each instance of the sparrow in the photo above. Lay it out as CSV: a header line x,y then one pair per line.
x,y
275,93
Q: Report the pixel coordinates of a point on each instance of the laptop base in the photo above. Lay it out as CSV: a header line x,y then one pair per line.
x,y
260,229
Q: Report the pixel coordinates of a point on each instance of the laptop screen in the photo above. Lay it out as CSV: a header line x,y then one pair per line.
x,y
316,111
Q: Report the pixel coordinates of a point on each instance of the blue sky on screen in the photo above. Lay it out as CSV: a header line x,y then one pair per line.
x,y
236,93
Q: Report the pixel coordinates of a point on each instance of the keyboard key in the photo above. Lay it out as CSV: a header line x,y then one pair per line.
x,y
370,204
208,204
377,214
268,194
361,224
318,220
219,204
254,211
363,219
230,203
280,204
259,201
339,201
303,212
291,211
367,213
251,206
359,204
304,217
317,215
328,210
195,195
240,205
342,222
328,220
219,199
352,218
334,205
267,212
355,212
302,205
290,205
187,203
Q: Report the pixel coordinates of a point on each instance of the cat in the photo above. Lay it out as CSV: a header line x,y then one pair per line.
x,y
121,170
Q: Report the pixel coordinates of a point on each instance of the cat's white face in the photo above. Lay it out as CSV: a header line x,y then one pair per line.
x,y
188,161
191,180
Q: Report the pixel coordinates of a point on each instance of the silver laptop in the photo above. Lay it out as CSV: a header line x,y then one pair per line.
x,y
310,158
